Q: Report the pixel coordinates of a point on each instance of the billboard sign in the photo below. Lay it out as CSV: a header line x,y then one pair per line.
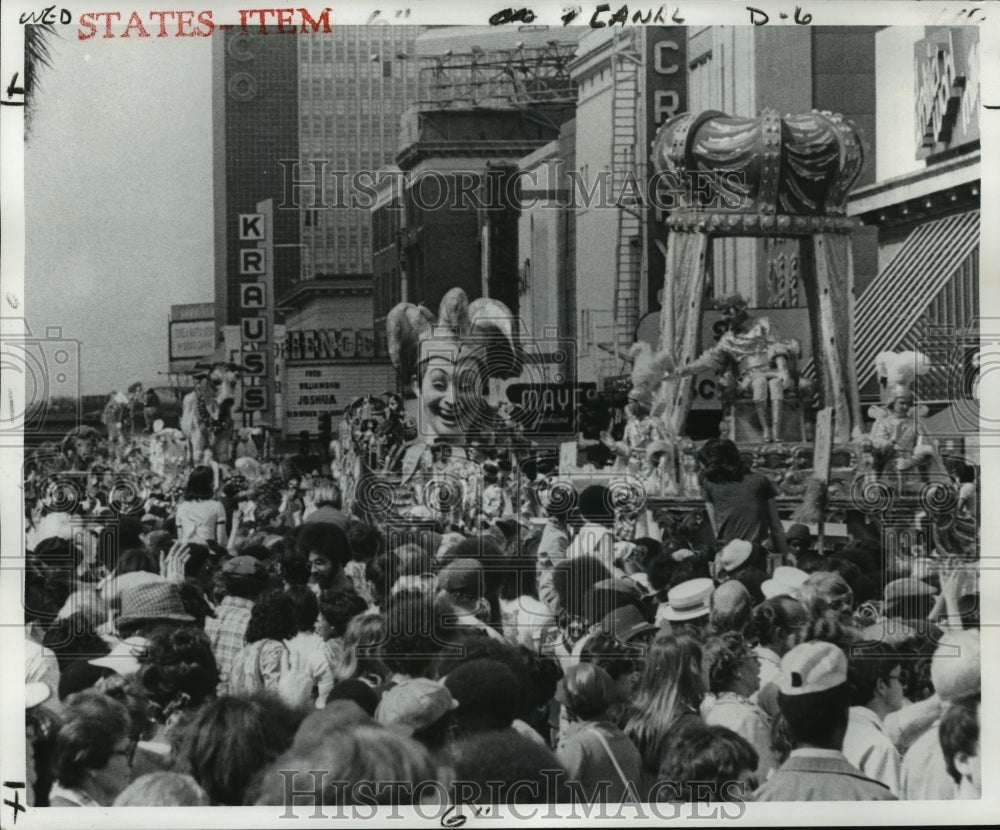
x,y
946,69
191,339
190,334
312,390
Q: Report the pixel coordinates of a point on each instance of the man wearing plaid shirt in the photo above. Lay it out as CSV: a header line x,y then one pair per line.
x,y
244,578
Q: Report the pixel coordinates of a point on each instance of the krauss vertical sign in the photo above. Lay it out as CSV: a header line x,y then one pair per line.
x,y
256,305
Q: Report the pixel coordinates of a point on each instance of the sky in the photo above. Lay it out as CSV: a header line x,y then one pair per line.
x,y
118,200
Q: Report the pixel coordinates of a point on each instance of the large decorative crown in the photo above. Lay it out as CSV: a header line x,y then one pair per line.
x,y
770,175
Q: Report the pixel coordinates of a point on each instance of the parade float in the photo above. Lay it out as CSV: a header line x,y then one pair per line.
x,y
453,452
456,460
793,408
797,421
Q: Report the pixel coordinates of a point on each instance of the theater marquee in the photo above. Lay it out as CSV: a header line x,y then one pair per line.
x,y
312,390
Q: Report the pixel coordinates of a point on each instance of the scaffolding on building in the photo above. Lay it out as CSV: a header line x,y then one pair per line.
x,y
521,77
627,161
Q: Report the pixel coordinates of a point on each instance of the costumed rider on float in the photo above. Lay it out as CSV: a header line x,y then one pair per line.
x,y
895,441
750,357
644,427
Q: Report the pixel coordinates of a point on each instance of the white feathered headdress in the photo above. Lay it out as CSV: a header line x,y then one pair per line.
x,y
897,372
484,331
648,370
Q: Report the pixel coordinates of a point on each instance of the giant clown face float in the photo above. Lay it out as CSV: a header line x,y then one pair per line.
x,y
447,361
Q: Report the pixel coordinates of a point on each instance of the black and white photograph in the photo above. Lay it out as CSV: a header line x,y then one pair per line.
x,y
453,414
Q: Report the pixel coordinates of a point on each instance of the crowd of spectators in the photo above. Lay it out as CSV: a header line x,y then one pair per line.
x,y
231,639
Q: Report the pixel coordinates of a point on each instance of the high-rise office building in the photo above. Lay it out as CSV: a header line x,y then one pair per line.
x,y
354,85
297,120
255,115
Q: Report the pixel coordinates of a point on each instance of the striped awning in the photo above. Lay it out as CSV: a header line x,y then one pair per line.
x,y
895,300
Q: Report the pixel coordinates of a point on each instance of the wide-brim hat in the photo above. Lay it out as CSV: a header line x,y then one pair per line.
x,y
689,600
626,623
734,554
414,705
624,590
153,601
785,580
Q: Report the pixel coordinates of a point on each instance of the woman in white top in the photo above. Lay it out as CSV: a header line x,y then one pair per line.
x,y
200,517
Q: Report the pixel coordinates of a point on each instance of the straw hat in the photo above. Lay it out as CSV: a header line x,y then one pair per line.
x,y
689,600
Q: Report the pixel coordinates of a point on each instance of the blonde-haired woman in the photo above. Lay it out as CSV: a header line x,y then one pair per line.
x,y
667,700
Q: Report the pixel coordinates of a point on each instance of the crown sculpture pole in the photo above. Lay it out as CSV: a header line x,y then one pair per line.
x,y
794,173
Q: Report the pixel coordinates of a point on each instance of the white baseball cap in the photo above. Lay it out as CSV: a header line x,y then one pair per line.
x,y
812,667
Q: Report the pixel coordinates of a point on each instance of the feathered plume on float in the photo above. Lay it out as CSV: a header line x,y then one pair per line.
x,y
406,326
812,507
897,373
648,371
484,331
